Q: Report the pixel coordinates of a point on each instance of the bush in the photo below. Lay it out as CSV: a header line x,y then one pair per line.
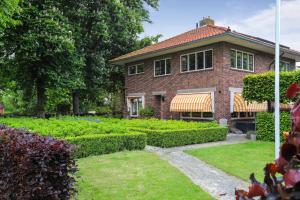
x,y
265,125
172,138
35,167
107,143
105,110
147,112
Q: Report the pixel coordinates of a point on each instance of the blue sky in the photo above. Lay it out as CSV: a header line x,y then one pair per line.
x,y
255,17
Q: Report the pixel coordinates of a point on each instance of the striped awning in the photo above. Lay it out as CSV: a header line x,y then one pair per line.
x,y
240,105
200,102
287,106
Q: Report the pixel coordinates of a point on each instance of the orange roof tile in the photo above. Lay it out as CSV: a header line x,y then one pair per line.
x,y
195,34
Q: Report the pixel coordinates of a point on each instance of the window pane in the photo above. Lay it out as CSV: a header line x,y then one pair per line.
x,y
239,60
200,60
140,68
207,115
234,115
208,59
157,68
251,114
243,114
233,58
168,67
251,62
197,114
132,70
185,114
192,62
245,61
140,104
163,67
184,63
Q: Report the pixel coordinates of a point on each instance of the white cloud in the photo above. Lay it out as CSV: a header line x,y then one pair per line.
x,y
262,24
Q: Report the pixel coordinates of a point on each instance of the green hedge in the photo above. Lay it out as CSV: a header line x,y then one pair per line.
x,y
102,144
172,138
260,87
265,125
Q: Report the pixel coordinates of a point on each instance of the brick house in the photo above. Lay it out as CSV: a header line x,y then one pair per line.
x,y
199,74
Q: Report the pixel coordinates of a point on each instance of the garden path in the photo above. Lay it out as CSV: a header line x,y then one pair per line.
x,y
217,183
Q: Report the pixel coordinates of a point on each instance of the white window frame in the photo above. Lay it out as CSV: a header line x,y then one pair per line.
x,y
165,60
196,61
190,117
247,115
286,62
244,70
136,72
133,96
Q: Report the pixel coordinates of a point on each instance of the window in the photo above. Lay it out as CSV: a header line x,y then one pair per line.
x,y
197,115
241,60
284,66
197,61
136,69
243,115
162,67
135,105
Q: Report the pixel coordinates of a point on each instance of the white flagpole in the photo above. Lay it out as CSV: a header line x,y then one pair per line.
x,y
277,61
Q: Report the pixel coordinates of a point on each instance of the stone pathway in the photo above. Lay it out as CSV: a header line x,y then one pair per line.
x,y
217,183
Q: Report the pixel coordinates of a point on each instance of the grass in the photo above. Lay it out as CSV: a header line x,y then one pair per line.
x,y
132,176
239,160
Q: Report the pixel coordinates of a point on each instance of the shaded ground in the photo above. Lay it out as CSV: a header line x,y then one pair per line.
x,y
132,176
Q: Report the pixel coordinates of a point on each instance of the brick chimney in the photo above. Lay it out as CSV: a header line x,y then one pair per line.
x,y
207,21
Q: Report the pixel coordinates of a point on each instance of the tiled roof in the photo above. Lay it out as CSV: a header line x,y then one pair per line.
x,y
195,34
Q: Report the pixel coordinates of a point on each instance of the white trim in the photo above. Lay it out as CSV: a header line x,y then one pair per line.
x,y
136,72
197,90
196,61
135,95
165,59
161,93
243,52
233,90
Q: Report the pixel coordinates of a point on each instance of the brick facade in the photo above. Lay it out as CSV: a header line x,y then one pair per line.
x,y
220,77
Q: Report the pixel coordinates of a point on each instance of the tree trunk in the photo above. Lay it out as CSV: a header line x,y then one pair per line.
x,y
76,100
41,97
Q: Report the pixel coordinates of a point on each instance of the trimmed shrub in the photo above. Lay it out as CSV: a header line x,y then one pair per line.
x,y
265,125
35,167
172,138
147,112
107,143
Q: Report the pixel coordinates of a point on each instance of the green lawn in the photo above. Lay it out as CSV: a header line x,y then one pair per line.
x,y
133,175
238,159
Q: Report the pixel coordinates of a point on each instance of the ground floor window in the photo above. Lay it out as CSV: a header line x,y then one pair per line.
x,y
243,115
196,115
135,105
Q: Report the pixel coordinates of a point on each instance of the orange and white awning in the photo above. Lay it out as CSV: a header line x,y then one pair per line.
x,y
240,105
287,106
200,102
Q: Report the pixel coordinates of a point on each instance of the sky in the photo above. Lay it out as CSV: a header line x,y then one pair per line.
x,y
254,17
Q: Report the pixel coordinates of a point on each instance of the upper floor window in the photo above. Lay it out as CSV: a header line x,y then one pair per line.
x,y
136,69
162,67
284,66
242,60
197,61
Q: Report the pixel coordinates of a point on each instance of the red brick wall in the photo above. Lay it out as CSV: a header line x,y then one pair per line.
x,y
221,76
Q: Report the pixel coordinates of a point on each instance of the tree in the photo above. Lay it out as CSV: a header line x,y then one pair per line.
x,y
40,52
105,29
7,9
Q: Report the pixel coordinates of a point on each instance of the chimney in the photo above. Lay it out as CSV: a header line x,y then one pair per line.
x,y
207,21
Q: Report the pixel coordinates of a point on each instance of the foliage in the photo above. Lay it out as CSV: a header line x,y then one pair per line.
x,y
265,125
104,110
107,143
147,112
288,165
135,175
147,41
260,87
172,138
40,52
35,167
7,9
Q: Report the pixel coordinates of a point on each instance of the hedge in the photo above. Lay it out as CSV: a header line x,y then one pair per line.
x,y
107,143
172,138
260,87
265,125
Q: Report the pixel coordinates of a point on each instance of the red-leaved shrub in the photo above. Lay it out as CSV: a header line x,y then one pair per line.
x,y
35,167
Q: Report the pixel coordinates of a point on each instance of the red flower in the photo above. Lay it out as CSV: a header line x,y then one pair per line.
x,y
272,168
295,112
291,178
292,91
